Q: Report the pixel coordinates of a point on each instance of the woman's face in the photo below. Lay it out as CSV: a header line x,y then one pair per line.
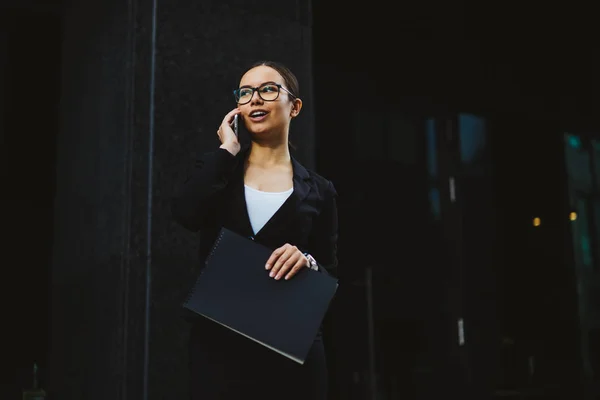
x,y
266,117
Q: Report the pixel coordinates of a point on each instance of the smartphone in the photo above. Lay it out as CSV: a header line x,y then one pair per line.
x,y
235,124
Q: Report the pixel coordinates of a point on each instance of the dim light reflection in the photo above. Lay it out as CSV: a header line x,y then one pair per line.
x,y
537,221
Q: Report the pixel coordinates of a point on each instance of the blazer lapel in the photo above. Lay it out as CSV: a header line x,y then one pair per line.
x,y
279,220
238,208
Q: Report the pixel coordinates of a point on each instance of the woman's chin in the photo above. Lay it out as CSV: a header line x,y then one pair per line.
x,y
265,135
259,134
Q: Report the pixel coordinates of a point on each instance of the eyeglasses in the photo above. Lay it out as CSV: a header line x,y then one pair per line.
x,y
266,91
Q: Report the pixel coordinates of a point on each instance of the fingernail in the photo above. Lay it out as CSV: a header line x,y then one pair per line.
x,y
267,266
272,274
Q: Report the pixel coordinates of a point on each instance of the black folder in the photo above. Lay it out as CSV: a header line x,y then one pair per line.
x,y
235,290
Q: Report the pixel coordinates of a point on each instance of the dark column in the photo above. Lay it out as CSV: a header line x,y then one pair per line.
x,y
455,371
145,85
467,226
28,127
3,73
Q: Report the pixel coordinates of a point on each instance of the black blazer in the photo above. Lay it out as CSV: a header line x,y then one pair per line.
x,y
213,197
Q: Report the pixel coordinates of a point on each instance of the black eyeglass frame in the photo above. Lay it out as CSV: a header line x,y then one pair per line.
x,y
255,89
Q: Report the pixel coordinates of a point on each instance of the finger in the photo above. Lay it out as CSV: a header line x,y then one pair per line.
x,y
286,267
278,264
282,259
225,130
274,256
228,119
299,264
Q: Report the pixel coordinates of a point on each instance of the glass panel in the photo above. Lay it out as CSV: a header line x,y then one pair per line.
x,y
472,138
431,148
574,142
578,164
597,233
581,235
596,155
434,202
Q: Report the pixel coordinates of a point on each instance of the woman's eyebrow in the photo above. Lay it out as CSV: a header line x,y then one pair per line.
x,y
264,83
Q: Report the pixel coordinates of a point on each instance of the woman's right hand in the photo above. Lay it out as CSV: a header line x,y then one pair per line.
x,y
228,138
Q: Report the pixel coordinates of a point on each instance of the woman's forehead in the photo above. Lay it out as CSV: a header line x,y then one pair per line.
x,y
259,75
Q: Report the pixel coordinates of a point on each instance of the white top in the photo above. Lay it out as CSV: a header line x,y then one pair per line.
x,y
263,205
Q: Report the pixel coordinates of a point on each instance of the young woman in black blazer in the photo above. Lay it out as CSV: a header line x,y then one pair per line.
x,y
262,192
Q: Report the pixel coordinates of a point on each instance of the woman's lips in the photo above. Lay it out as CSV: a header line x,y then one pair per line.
x,y
258,118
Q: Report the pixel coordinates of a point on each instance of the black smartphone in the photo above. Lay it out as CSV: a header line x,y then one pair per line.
x,y
235,124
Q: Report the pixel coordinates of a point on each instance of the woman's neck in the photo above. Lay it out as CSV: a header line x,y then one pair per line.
x,y
269,155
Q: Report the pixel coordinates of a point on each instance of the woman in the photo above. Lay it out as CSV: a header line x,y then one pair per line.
x,y
262,192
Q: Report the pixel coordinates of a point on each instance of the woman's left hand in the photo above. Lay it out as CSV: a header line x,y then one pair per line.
x,y
286,261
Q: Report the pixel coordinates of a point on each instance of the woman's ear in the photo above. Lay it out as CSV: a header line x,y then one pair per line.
x,y
296,107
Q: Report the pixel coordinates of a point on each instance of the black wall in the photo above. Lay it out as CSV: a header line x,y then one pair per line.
x,y
29,84
138,89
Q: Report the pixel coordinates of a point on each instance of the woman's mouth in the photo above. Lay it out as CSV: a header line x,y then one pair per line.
x,y
258,115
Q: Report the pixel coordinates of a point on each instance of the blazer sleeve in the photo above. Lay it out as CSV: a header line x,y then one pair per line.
x,y
324,236
196,201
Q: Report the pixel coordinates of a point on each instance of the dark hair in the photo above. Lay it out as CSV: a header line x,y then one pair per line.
x,y
290,80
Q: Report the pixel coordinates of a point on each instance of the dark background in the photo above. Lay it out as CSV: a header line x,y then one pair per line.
x,y
375,74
